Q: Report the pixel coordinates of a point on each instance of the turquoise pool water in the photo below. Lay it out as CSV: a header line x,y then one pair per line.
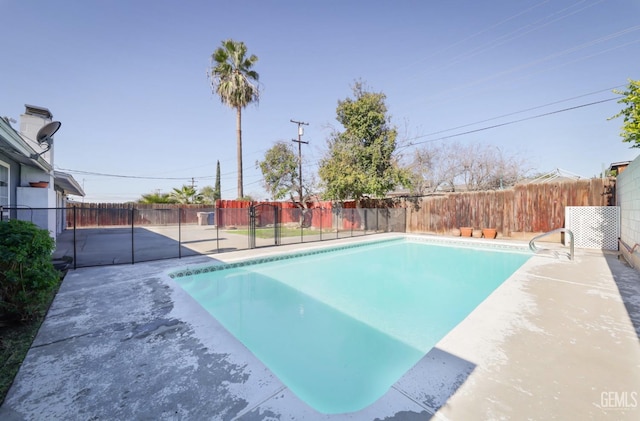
x,y
340,328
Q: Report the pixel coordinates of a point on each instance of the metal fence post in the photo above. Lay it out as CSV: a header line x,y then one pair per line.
x,y
405,220
179,233
366,220
301,218
351,222
75,257
218,216
132,243
278,225
252,228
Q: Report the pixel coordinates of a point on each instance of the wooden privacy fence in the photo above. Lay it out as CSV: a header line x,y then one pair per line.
x,y
119,214
524,208
317,215
226,213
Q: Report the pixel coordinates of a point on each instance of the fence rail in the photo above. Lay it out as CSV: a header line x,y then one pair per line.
x,y
98,236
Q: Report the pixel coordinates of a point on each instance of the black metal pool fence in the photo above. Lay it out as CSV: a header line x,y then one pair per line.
x,y
108,236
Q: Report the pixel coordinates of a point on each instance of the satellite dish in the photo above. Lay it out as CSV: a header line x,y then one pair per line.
x,y
44,136
45,133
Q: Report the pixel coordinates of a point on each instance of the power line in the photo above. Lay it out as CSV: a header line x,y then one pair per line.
x,y
526,76
522,111
138,177
519,68
478,33
509,122
510,36
409,139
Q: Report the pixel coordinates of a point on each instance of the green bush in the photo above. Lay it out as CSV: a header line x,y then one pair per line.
x,y
27,275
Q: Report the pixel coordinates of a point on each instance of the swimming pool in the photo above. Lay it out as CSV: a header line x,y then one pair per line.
x,y
340,327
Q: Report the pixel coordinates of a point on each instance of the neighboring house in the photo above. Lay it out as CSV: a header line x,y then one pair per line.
x,y
617,167
23,163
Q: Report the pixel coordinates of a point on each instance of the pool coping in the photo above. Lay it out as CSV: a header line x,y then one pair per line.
x,y
522,353
327,248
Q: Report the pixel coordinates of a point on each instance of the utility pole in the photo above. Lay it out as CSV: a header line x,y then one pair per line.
x,y
300,142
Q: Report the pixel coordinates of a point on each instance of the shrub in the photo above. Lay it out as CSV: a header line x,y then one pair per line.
x,y
27,275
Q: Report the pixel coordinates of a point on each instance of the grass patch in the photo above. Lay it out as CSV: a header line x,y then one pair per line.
x,y
15,340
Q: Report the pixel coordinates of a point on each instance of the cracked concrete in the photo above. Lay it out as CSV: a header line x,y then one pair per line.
x,y
557,340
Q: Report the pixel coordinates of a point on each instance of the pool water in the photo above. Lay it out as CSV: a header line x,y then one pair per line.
x,y
340,328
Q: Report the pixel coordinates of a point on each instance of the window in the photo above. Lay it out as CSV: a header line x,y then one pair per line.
x,y
4,188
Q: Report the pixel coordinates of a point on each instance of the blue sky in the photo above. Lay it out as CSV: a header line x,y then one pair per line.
x,y
127,79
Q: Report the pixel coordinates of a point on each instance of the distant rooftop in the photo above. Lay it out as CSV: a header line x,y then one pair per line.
x,y
619,164
555,175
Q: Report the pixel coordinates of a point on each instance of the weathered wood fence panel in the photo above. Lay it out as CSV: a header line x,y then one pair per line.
x,y
523,208
121,214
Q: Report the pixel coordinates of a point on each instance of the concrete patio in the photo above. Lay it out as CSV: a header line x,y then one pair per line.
x,y
101,246
557,340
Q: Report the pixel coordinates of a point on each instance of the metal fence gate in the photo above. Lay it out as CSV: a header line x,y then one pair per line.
x,y
266,217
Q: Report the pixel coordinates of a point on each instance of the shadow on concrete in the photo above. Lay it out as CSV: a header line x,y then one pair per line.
x,y
627,280
126,245
433,380
104,246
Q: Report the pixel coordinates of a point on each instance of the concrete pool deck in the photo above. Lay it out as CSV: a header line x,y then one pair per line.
x,y
558,339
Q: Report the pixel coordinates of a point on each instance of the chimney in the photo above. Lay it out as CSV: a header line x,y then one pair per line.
x,y
33,119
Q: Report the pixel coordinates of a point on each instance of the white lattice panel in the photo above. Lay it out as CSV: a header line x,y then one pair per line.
x,y
594,227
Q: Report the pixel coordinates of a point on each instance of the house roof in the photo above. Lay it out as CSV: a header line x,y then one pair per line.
x,y
67,183
619,164
14,145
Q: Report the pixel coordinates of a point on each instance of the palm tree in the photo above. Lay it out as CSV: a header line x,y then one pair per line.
x,y
237,85
185,195
156,197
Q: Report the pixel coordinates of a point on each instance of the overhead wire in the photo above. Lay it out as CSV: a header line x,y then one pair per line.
x,y
511,122
505,38
478,33
528,75
537,107
139,177
316,162
518,33
519,68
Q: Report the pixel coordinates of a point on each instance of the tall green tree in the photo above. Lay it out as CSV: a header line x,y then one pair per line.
x,y
281,178
207,195
217,193
361,161
630,131
236,83
280,171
